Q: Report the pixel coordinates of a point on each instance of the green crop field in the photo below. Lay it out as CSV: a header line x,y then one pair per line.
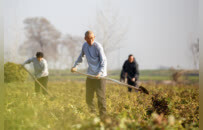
x,y
172,107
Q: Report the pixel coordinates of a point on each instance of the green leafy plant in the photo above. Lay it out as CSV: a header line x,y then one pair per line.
x,y
14,73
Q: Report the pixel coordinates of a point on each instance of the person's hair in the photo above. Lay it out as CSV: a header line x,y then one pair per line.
x,y
88,32
130,55
39,54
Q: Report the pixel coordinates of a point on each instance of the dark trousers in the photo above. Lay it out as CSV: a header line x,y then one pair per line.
x,y
43,81
98,86
131,83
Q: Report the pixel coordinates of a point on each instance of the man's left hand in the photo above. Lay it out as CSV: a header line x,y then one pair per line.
x,y
98,76
133,79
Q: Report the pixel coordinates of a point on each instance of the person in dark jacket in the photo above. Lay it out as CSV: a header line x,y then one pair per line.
x,y
130,71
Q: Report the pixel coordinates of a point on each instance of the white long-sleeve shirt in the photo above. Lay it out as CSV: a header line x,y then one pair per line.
x,y
95,57
40,67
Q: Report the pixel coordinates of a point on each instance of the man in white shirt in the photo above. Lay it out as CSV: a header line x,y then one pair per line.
x,y
41,70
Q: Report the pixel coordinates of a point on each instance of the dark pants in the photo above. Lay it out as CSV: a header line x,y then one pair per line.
x,y
43,81
131,83
98,86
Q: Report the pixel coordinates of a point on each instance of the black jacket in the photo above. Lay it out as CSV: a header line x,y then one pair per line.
x,y
131,69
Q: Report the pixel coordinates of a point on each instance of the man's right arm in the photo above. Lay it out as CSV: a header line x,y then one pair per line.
x,y
28,61
125,71
125,68
78,61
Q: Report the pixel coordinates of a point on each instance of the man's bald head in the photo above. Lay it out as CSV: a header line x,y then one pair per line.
x,y
89,37
88,33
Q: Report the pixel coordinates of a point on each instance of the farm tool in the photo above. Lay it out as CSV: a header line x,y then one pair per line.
x,y
138,88
35,79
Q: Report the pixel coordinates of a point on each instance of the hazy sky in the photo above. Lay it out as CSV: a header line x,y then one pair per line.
x,y
159,34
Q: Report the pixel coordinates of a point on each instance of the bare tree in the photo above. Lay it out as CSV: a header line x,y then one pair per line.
x,y
109,30
41,36
195,53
